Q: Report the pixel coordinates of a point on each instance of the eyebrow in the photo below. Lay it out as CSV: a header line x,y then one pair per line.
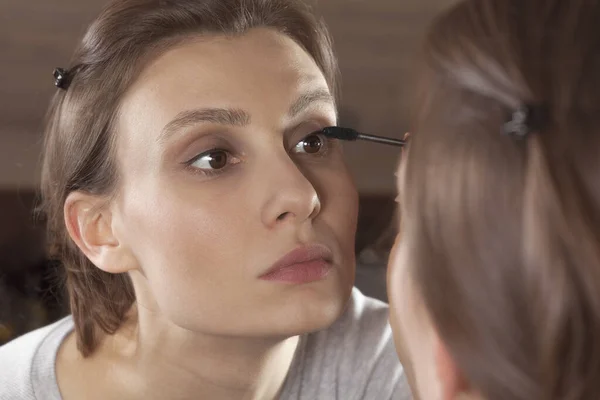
x,y
222,116
237,117
308,98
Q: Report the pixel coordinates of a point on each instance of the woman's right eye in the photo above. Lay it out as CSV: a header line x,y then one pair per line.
x,y
213,161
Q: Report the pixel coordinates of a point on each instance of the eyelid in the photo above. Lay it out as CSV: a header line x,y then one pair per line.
x,y
300,132
309,124
205,153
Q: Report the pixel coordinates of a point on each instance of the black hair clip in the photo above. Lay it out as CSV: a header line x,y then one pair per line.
x,y
62,78
525,120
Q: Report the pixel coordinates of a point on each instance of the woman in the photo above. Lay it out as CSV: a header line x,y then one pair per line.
x,y
495,283
206,231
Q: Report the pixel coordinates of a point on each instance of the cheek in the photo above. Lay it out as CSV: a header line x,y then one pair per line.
x,y
340,201
182,238
341,216
167,225
403,309
398,302
413,334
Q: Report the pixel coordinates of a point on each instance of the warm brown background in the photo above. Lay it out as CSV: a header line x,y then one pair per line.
x,y
375,40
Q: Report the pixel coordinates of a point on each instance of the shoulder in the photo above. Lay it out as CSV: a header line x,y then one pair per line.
x,y
363,310
28,361
365,333
360,347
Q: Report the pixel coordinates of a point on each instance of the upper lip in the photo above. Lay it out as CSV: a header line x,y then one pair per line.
x,y
301,255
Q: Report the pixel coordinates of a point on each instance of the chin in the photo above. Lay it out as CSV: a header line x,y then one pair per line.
x,y
311,307
281,311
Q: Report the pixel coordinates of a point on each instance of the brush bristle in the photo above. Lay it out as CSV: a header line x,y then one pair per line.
x,y
340,133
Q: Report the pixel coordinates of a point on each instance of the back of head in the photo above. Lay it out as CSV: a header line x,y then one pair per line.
x,y
79,150
505,231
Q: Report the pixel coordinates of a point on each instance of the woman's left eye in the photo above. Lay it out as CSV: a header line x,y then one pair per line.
x,y
314,143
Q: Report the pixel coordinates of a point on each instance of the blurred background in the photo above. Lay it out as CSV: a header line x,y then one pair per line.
x,y
376,42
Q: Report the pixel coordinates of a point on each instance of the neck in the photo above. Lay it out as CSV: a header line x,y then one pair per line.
x,y
171,362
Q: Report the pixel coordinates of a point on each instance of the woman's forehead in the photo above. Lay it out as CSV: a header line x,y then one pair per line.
x,y
231,62
254,66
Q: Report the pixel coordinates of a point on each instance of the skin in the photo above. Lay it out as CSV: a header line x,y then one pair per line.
x,y
195,239
430,369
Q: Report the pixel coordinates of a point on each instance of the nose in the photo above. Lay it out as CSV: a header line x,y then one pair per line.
x,y
292,198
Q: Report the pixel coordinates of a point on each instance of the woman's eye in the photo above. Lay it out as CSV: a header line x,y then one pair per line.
x,y
213,160
312,144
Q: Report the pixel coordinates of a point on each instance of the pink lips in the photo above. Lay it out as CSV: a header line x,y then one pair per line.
x,y
303,265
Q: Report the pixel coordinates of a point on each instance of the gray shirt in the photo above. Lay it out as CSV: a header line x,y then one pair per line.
x,y
353,359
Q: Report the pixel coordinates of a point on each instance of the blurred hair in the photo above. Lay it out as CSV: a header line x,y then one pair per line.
x,y
505,233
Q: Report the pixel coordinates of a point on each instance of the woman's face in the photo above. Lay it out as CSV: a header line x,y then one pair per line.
x,y
220,178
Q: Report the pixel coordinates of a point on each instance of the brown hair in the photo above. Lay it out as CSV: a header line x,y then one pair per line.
x,y
505,233
78,148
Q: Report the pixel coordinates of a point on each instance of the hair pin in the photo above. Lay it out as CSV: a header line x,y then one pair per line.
x,y
61,78
525,120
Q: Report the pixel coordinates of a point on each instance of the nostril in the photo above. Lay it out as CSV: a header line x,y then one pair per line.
x,y
283,216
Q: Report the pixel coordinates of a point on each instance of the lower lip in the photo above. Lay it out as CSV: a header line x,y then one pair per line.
x,y
306,272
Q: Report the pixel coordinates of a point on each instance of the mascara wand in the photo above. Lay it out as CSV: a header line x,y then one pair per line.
x,y
336,132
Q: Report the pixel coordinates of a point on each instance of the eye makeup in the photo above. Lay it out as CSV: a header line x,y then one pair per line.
x,y
348,134
220,156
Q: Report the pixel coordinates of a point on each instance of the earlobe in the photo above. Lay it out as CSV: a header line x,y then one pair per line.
x,y
89,223
453,384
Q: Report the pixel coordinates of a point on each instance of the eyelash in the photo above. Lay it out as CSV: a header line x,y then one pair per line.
x,y
208,173
329,144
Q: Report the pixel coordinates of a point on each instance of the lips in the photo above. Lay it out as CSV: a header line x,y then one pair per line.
x,y
302,265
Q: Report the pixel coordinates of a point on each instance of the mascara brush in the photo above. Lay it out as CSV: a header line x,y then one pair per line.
x,y
336,132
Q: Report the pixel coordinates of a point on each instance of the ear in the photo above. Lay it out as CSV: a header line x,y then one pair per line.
x,y
89,222
453,384
401,167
